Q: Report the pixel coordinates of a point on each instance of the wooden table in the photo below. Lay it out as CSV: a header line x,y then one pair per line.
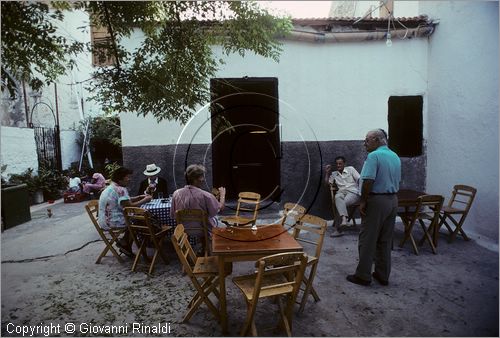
x,y
407,198
243,244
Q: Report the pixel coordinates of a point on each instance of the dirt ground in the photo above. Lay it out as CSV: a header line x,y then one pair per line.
x,y
49,278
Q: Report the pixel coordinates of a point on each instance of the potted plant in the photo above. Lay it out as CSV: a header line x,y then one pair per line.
x,y
53,183
33,182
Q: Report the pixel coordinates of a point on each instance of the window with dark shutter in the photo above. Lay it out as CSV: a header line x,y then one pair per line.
x,y
406,125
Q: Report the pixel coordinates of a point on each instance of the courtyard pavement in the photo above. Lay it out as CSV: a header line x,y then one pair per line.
x,y
50,284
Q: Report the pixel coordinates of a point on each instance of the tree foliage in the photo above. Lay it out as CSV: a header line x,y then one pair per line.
x,y
32,49
168,74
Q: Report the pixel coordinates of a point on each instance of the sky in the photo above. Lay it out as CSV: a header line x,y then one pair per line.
x,y
300,9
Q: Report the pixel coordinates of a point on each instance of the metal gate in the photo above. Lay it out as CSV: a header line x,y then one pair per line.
x,y
48,147
47,139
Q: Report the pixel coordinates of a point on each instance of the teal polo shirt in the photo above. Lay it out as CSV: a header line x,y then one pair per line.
x,y
384,167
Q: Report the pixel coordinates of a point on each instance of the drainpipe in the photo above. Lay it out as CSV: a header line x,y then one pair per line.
x,y
418,32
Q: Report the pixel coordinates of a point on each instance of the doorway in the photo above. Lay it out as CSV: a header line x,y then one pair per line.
x,y
246,149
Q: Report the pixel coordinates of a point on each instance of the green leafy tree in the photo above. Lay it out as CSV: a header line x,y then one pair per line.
x,y
32,50
167,75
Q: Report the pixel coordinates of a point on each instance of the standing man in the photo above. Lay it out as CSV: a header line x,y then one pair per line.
x,y
381,174
344,184
153,185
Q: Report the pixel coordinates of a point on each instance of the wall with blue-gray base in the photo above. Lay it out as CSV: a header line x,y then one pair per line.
x,y
302,168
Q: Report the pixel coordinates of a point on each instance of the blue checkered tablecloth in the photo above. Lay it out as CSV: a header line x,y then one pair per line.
x,y
160,210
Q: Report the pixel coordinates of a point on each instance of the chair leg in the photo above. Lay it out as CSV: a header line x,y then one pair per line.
x,y
138,255
284,320
109,247
202,296
427,236
458,228
407,236
248,320
308,282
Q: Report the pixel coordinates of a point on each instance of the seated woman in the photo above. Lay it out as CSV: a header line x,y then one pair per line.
x,y
97,183
111,203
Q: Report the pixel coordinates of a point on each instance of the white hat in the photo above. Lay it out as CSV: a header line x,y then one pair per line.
x,y
151,170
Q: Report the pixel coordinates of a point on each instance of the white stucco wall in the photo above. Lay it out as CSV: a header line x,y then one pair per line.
x,y
70,150
326,91
463,107
18,149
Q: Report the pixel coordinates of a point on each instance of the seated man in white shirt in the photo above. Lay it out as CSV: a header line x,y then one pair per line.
x,y
345,180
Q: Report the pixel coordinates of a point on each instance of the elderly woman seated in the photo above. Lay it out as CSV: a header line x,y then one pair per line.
x,y
96,185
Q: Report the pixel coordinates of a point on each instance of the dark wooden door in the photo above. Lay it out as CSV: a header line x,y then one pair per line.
x,y
245,136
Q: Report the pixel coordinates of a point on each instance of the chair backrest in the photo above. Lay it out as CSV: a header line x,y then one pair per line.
x,y
462,197
292,213
195,222
183,248
248,202
290,264
432,202
138,221
310,231
92,208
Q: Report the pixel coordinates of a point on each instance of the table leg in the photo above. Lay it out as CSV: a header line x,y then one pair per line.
x,y
435,233
222,297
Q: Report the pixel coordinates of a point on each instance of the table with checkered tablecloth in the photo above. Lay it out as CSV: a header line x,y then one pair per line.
x,y
160,210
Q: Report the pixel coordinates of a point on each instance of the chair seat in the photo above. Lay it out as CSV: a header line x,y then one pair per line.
x,y
237,220
451,210
311,260
246,284
206,266
164,228
421,215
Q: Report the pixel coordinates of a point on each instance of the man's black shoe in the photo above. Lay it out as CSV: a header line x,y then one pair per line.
x,y
380,280
356,280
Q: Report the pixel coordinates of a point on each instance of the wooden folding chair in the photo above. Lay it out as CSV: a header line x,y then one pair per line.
x,y
459,205
248,202
426,209
310,233
204,268
292,213
143,232
195,221
109,236
277,275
